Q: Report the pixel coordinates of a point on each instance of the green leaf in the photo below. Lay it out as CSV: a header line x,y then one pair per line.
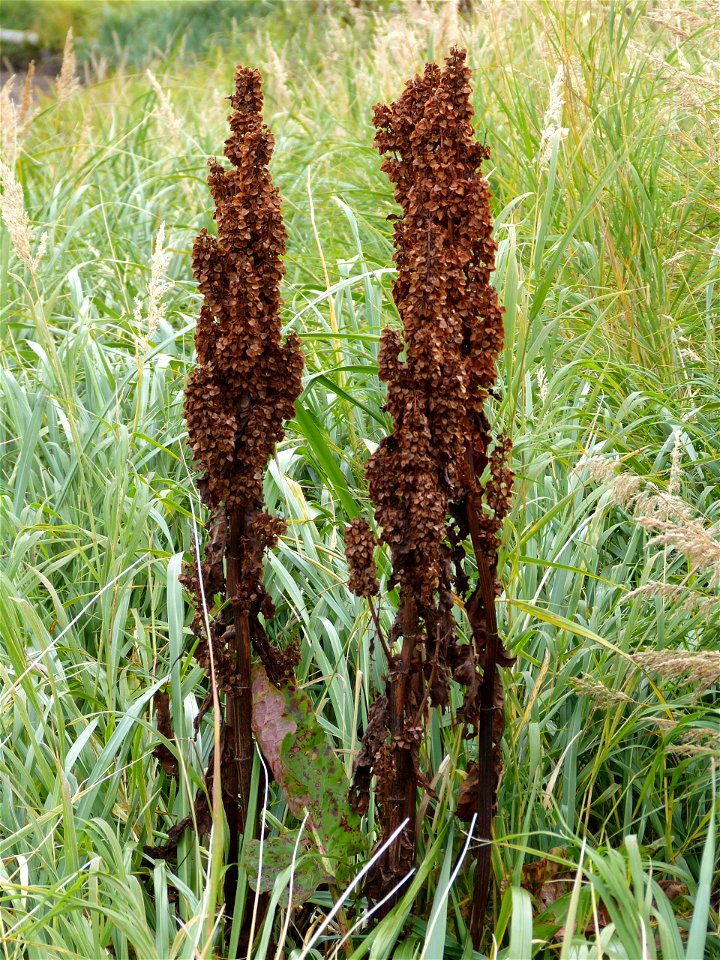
x,y
277,855
701,911
307,768
318,448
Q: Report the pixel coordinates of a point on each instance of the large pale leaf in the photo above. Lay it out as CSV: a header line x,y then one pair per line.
x,y
309,772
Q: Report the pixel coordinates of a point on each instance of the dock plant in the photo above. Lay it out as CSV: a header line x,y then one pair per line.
x,y
440,481
243,387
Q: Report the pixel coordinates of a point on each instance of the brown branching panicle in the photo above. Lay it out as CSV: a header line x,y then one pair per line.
x,y
243,388
425,477
246,381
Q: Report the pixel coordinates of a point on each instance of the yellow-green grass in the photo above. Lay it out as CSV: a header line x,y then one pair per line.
x,y
608,269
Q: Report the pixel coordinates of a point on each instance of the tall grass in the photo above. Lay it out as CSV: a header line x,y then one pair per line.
x,y
608,268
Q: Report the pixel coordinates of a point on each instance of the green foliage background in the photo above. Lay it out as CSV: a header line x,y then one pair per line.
x,y
608,269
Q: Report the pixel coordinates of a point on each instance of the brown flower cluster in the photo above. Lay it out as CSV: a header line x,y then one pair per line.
x,y
441,477
246,381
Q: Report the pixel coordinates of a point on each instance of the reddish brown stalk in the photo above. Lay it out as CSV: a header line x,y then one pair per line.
x,y
243,388
441,477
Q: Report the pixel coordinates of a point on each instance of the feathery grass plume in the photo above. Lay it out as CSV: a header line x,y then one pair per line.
x,y
156,289
602,695
675,466
552,121
244,386
277,70
440,478
165,110
395,45
574,78
67,81
692,602
15,119
699,667
26,100
665,515
9,121
399,37
542,382
675,19
694,94
12,209
691,741
688,537
171,123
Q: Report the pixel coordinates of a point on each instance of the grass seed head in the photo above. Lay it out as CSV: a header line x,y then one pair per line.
x,y
552,121
165,110
12,208
702,668
9,121
67,81
602,695
156,289
26,100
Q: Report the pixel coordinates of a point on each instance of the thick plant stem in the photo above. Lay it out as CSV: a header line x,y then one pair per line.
x,y
401,792
486,780
239,712
486,759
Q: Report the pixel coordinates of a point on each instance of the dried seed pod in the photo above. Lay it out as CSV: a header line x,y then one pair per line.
x,y
247,380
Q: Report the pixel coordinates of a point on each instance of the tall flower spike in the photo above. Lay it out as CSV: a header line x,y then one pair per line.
x,y
425,477
243,388
246,381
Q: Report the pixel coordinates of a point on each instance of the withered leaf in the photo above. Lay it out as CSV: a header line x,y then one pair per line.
x,y
168,760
